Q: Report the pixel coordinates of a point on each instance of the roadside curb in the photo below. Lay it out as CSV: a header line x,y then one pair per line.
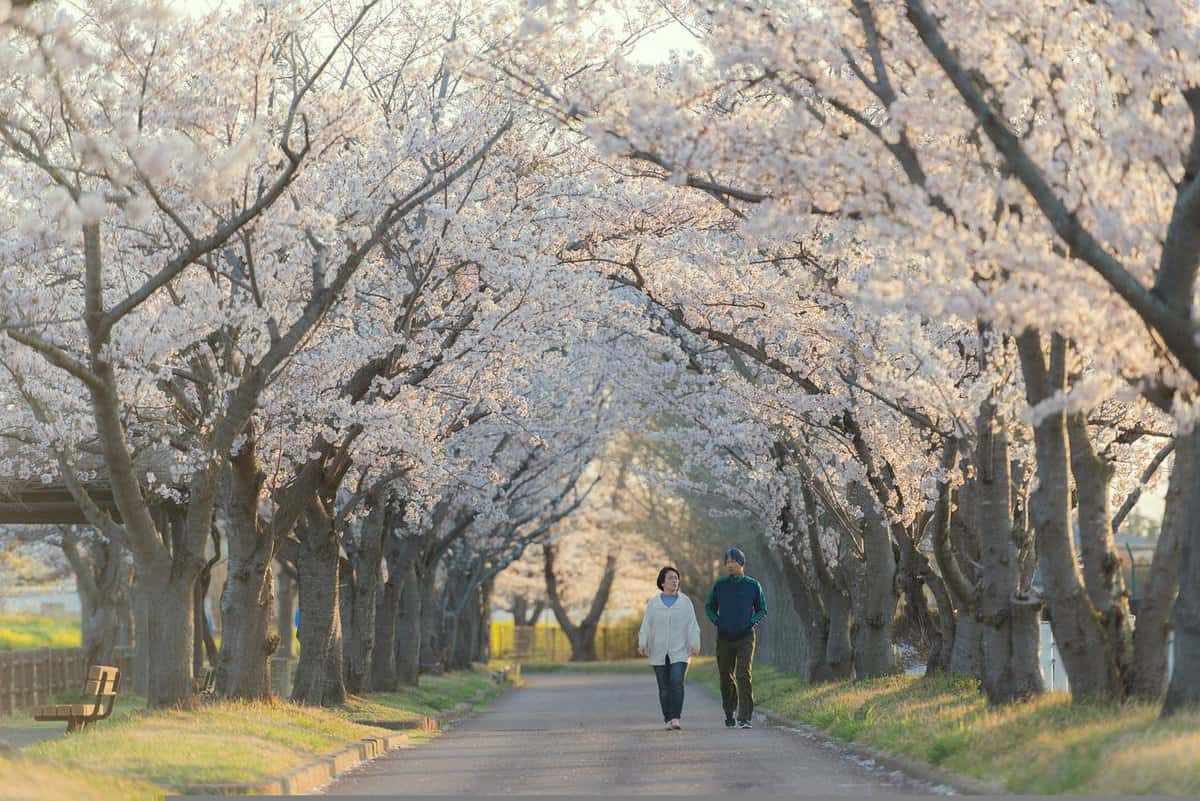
x,y
309,776
322,770
965,785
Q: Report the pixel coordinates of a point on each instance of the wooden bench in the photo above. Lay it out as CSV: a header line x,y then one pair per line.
x,y
102,684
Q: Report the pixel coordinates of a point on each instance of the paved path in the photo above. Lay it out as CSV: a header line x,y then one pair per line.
x,y
595,733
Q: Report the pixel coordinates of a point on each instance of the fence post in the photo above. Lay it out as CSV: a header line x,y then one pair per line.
x,y
5,684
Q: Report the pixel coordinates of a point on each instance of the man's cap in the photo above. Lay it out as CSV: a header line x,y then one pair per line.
x,y
736,555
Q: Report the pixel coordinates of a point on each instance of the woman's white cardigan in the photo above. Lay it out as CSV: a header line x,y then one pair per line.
x,y
669,630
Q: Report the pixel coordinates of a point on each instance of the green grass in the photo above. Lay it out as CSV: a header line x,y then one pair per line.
x,y
1045,747
143,754
18,632
434,694
634,666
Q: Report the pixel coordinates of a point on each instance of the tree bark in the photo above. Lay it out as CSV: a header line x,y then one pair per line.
x,y
430,622
243,668
103,575
874,651
170,636
398,553
1075,622
285,609
1101,566
955,557
318,680
1008,620
483,642
409,635
1183,690
365,560
1152,632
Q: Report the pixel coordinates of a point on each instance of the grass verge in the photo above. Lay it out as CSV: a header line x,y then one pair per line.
x,y
635,666
1046,747
148,754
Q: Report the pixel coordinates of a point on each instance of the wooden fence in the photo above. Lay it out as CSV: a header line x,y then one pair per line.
x,y
40,675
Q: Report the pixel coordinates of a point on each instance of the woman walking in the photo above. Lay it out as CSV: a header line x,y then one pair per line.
x,y
669,634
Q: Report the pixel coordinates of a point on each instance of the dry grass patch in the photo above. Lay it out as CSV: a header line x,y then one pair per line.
x,y
25,780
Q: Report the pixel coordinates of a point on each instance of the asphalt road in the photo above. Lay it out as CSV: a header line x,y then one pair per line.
x,y
593,734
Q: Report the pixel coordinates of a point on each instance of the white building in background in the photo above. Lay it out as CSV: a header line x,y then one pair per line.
x,y
50,600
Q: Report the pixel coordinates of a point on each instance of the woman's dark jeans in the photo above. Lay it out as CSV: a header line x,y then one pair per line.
x,y
670,688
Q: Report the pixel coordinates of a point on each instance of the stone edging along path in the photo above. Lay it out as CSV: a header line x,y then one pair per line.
x,y
322,770
965,785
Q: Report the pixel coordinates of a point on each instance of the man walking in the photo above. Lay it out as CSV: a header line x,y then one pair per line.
x,y
736,605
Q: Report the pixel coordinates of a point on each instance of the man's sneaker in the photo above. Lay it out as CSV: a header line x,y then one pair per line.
x,y
744,724
730,723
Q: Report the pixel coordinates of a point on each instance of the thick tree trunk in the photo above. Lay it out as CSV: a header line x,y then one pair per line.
x,y
1151,635
431,620
839,650
811,611
408,630
466,632
1078,633
874,652
141,642
169,635
1008,621
955,556
366,562
243,668
102,577
398,553
1101,566
1183,691
318,680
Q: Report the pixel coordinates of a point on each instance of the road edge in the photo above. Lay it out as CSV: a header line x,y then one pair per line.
x,y
322,770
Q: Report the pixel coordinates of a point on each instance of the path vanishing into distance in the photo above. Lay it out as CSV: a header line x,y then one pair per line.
x,y
596,733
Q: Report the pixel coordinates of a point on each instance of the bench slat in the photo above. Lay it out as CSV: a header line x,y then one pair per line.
x,y
64,711
100,688
103,673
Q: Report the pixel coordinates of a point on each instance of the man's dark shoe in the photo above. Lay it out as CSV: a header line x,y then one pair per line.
x,y
730,723
744,724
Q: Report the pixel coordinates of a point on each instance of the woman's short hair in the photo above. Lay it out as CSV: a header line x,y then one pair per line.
x,y
662,575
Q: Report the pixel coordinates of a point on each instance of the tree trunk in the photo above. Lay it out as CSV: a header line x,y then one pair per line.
x,y
169,634
1151,635
285,609
366,562
1075,622
1101,566
483,640
1183,691
582,637
955,556
318,680
874,651
430,623
1008,621
141,642
102,578
243,669
408,631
